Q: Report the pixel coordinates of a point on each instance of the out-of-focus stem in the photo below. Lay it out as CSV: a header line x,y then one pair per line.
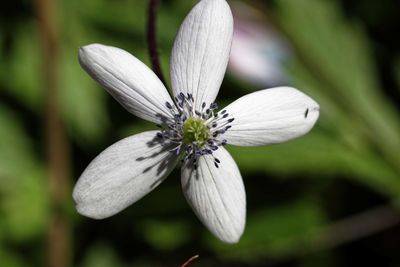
x,y
189,261
57,149
152,40
356,227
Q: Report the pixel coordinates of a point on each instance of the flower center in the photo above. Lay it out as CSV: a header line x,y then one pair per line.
x,y
195,131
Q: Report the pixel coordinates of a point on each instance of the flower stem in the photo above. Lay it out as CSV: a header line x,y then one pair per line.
x,y
152,40
56,142
190,261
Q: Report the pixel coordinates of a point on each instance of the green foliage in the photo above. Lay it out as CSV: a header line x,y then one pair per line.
x,y
165,235
101,255
11,259
16,148
277,232
83,102
358,133
23,190
27,88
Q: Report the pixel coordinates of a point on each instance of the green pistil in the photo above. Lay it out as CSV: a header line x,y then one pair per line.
x,y
194,130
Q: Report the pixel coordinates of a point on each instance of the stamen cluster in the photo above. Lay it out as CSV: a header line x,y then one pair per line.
x,y
195,132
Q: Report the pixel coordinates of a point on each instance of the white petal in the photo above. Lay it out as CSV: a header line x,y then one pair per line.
x,y
271,116
201,51
122,174
217,195
128,80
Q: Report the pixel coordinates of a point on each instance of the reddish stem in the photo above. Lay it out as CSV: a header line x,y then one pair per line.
x,y
152,40
190,261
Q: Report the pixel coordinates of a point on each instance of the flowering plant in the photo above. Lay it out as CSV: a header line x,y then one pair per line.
x,y
192,130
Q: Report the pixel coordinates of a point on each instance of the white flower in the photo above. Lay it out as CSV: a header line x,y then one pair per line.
x,y
192,130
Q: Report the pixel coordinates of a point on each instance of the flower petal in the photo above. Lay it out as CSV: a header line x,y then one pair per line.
x,y
217,195
271,116
128,80
122,174
201,51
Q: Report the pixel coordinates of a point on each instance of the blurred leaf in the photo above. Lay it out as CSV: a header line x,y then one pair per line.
x,y
275,232
16,157
138,127
23,190
82,101
25,207
165,235
338,55
10,259
319,155
21,74
101,255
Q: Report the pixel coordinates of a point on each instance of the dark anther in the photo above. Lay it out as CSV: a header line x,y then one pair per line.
x,y
168,105
207,111
160,135
223,112
224,142
213,106
217,160
203,105
306,113
214,125
197,113
228,127
181,96
225,116
216,164
230,120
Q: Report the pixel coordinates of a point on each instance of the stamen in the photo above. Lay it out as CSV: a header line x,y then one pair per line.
x,y
213,106
196,133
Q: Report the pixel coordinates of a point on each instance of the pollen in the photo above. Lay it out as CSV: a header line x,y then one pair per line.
x,y
195,131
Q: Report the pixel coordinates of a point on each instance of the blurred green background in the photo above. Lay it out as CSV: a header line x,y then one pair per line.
x,y
330,198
